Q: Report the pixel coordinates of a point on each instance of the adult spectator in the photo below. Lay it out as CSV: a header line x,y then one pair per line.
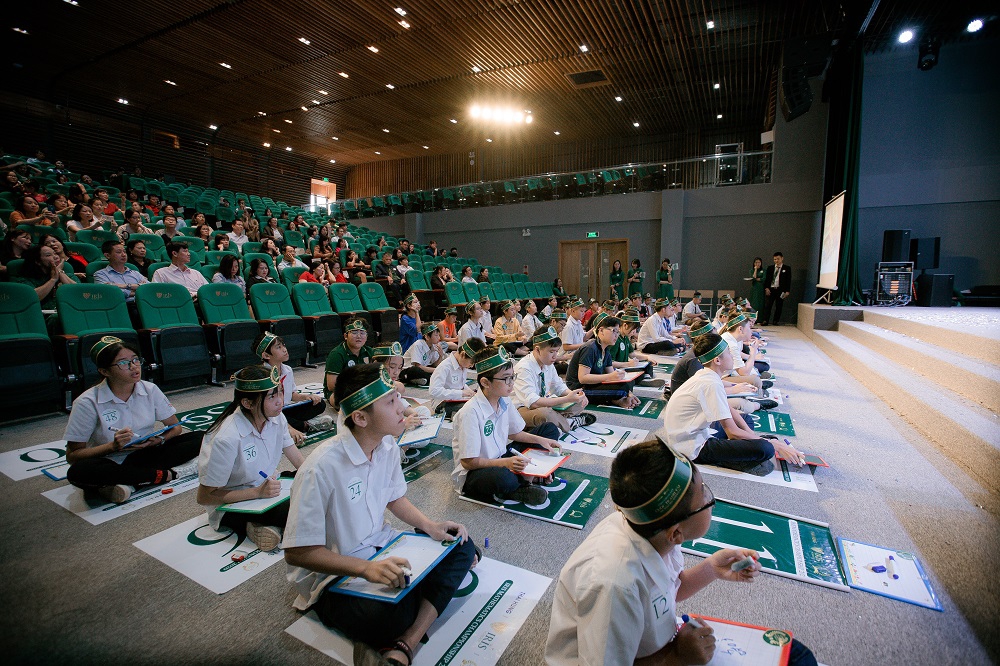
x,y
238,236
137,256
467,275
169,230
153,205
777,286
273,231
432,249
133,225
259,273
484,275
557,288
229,272
109,206
13,247
26,211
178,271
120,275
289,260
42,271
99,208
168,209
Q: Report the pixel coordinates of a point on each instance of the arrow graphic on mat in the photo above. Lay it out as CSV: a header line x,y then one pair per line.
x,y
750,526
762,552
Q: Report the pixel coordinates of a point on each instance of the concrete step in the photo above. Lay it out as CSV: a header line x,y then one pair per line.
x,y
964,432
968,376
954,337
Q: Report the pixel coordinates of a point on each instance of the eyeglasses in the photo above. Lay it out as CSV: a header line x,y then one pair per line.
x,y
127,363
508,380
708,505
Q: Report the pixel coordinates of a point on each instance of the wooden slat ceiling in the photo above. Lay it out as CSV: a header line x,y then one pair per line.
x,y
659,55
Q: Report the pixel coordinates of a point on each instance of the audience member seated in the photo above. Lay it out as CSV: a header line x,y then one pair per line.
x,y
133,225
178,271
120,275
592,369
229,271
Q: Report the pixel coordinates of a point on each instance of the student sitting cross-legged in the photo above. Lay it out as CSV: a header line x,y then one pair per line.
x,y
336,521
656,335
735,333
390,356
352,351
486,464
309,416
616,600
538,390
116,411
591,368
246,442
700,403
623,353
507,330
423,356
448,388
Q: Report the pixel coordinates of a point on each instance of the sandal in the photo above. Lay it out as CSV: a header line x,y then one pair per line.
x,y
398,646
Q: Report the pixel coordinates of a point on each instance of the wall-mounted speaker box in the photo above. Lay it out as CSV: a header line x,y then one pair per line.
x,y
896,245
925,252
934,291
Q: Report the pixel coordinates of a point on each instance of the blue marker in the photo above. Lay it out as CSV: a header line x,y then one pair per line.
x,y
486,542
266,477
693,621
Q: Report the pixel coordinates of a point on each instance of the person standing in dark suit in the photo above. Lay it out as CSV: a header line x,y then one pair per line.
x,y
777,285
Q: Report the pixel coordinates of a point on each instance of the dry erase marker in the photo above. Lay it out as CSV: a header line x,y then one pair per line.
x,y
266,477
518,453
890,565
693,621
802,458
406,576
112,429
745,563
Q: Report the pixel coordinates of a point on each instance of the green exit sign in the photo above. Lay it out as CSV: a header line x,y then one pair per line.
x,y
326,180
593,234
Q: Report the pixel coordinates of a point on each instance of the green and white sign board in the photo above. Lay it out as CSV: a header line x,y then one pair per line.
x,y
788,545
649,408
573,498
201,419
777,423
421,461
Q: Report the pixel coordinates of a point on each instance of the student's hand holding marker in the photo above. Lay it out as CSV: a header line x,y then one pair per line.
x,y
515,463
738,565
121,438
297,436
694,643
413,421
387,571
789,452
270,488
468,391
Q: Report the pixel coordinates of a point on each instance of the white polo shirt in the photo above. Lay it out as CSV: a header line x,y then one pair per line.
x,y
653,330
529,384
480,432
422,353
186,276
471,329
616,599
572,333
529,323
287,381
699,402
97,410
339,498
447,381
735,349
234,454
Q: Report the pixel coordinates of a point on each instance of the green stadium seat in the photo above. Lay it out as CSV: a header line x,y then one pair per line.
x,y
454,295
208,270
291,275
86,313
385,318
323,328
171,337
155,248
486,289
248,259
347,303
229,328
215,256
29,375
95,237
250,246
294,238
472,292
521,291
273,307
85,250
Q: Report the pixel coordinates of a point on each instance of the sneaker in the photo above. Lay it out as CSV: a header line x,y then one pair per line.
x,y
419,382
583,419
655,383
190,468
321,422
757,469
765,403
267,537
116,494
766,384
531,495
765,375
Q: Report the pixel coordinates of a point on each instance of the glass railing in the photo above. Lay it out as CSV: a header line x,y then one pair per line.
x,y
723,170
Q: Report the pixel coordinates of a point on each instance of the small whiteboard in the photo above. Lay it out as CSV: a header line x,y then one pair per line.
x,y
739,644
829,258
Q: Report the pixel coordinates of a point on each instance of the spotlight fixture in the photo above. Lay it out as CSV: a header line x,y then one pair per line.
x,y
635,124
618,98
556,133
20,31
718,116
345,75
261,113
168,81
583,48
323,92
453,121
276,131
377,152
930,47
122,100
226,65
975,25
333,161
475,69
710,25
400,11
385,130
406,26
905,36
304,41
489,140
288,121
288,148
390,86
267,145
335,138
304,108
716,86
426,147
373,49
315,101
213,127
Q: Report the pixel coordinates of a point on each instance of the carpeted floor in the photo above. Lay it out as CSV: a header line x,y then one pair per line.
x,y
77,593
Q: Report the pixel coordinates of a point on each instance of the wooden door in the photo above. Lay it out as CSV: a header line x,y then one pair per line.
x,y
607,252
584,266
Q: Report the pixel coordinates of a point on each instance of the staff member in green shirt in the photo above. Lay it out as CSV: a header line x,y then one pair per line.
x,y
353,351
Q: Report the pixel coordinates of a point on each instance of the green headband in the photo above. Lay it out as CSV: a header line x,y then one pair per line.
x,y
409,299
667,499
598,318
387,351
356,325
662,303
368,394
558,315
630,316
505,305
544,318
269,337
544,335
467,349
575,303
735,322
704,330
752,315
257,385
427,329
103,344
470,307
608,304
498,359
675,302
714,352
484,299
450,310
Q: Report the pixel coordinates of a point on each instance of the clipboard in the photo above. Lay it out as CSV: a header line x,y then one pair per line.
x,y
542,463
811,459
263,504
429,428
629,377
748,644
423,554
156,433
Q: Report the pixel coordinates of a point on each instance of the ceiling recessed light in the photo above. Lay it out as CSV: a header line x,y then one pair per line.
x,y
333,161
322,92
716,86
72,2
528,119
122,100
267,145
288,121
168,81
635,124
390,86
426,147
400,11
556,133
21,30
344,74
304,41
405,24
335,138
226,65
261,113
475,69
385,130
975,25
213,127
618,98
718,116
489,140
452,120
583,48
288,148
905,36
710,24
276,131
377,152
304,108
373,49
315,101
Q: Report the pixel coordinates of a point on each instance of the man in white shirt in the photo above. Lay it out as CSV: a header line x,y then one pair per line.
x,y
237,236
735,333
178,272
573,335
655,336
289,260
538,389
448,388
117,273
698,409
473,327
693,307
